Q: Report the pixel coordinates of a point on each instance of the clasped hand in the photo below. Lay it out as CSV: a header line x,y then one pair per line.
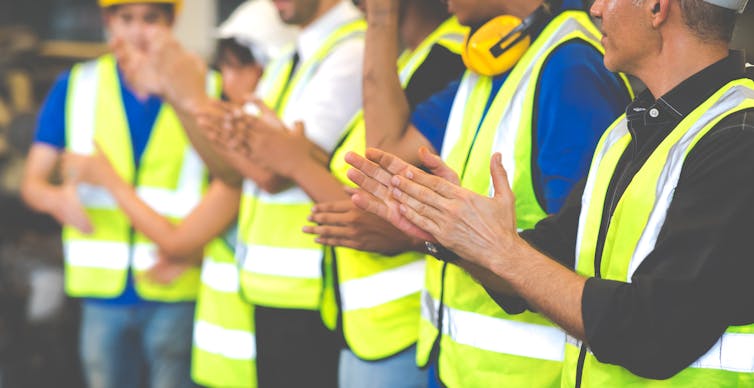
x,y
263,139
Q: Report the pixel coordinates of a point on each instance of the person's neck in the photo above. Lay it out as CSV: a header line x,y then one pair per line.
x,y
415,27
324,7
522,8
677,61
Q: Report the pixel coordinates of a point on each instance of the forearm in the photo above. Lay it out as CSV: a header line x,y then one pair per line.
x,y
211,155
267,180
317,182
147,221
181,242
386,109
550,288
42,196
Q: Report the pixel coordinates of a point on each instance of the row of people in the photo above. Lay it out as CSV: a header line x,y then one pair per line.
x,y
422,276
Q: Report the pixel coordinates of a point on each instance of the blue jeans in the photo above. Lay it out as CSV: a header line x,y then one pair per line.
x,y
398,371
126,346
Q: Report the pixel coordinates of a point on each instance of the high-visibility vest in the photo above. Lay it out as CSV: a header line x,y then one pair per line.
x,y
632,236
170,178
379,296
282,266
479,344
224,351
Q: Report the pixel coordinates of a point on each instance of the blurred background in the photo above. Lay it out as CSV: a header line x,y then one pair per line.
x,y
38,40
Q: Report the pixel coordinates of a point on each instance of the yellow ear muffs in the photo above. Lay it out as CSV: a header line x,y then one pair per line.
x,y
485,51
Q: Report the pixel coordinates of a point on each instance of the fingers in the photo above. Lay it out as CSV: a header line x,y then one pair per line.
x,y
499,176
337,219
334,207
81,222
263,108
437,166
368,169
298,129
371,204
329,231
377,191
387,161
419,198
435,184
424,223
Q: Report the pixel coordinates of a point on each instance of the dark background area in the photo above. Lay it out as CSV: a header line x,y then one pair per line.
x,y
38,325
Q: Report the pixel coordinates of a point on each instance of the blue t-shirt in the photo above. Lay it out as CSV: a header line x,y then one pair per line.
x,y
578,99
141,115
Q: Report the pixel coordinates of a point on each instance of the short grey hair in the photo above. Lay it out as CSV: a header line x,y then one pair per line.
x,y
708,21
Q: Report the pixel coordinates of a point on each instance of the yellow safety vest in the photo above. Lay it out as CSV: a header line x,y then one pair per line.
x,y
171,179
379,296
224,350
632,236
480,344
282,266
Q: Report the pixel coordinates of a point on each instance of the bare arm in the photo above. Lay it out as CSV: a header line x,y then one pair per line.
x,y
386,109
180,242
217,163
61,202
208,220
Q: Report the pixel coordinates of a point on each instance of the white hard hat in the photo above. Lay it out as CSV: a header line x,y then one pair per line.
x,y
736,5
257,25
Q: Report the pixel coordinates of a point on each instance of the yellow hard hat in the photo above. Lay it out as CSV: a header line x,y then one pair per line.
x,y
107,3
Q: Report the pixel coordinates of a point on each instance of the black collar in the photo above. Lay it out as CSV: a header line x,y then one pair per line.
x,y
671,108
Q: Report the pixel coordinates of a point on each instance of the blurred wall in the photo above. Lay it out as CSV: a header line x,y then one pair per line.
x,y
196,25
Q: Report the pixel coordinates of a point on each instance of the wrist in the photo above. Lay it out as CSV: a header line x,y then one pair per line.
x,y
191,104
299,168
441,253
508,258
383,13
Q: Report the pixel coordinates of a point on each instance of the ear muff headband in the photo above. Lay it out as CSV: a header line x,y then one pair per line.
x,y
495,47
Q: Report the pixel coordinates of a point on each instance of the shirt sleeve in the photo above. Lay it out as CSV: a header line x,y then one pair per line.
x,y
51,120
441,67
697,280
431,116
578,99
332,97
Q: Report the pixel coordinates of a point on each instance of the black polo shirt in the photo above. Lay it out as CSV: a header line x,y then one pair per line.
x,y
700,277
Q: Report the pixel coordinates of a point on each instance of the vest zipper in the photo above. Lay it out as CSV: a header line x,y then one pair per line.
x,y
580,366
434,354
132,233
340,330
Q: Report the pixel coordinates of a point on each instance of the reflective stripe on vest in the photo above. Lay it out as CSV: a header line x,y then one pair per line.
x,y
282,266
380,295
633,232
171,180
506,128
392,284
224,351
544,342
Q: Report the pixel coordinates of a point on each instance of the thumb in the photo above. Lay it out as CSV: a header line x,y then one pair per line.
x,y
298,128
98,149
499,176
263,109
436,165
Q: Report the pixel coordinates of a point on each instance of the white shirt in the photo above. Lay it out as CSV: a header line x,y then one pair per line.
x,y
332,96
